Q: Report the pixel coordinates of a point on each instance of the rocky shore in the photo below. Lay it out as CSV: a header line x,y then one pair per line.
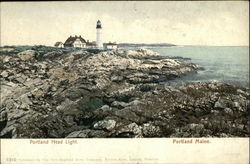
x,y
57,93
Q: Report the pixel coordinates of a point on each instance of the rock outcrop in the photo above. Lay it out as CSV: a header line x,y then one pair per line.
x,y
59,93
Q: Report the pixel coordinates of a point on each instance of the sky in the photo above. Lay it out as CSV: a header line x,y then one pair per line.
x,y
220,23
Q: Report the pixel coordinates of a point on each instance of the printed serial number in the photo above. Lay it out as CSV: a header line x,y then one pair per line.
x,y
10,159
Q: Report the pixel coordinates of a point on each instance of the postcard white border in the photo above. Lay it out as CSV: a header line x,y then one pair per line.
x,y
125,151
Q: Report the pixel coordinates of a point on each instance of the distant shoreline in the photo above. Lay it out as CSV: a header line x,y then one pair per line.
x,y
121,45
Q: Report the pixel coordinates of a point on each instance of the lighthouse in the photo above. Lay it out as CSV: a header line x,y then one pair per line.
x,y
98,35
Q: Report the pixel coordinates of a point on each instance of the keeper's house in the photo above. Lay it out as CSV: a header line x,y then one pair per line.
x,y
75,41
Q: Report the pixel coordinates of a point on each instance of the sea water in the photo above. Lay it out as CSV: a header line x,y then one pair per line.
x,y
229,64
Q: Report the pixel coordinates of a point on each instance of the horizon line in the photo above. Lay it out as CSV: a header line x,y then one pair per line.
x,y
170,44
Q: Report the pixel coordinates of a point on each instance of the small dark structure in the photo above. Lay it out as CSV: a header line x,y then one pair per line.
x,y
90,44
59,44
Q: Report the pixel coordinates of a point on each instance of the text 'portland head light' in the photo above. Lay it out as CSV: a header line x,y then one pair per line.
x,y
98,35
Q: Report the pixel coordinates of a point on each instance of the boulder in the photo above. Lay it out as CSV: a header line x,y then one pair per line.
x,y
147,52
131,130
196,127
79,134
221,104
116,78
4,74
119,104
150,130
135,103
20,114
21,79
26,55
24,99
105,108
6,59
105,124
228,111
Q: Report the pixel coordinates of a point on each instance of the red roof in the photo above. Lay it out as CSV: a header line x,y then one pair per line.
x,y
71,40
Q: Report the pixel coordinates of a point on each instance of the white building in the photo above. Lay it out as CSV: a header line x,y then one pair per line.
x,y
110,45
99,44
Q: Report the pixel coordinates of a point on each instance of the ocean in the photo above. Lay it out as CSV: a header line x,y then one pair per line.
x,y
229,64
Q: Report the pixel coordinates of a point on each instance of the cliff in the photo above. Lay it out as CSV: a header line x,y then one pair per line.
x,y
49,92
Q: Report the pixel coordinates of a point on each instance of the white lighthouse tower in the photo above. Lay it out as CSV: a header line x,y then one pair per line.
x,y
98,35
